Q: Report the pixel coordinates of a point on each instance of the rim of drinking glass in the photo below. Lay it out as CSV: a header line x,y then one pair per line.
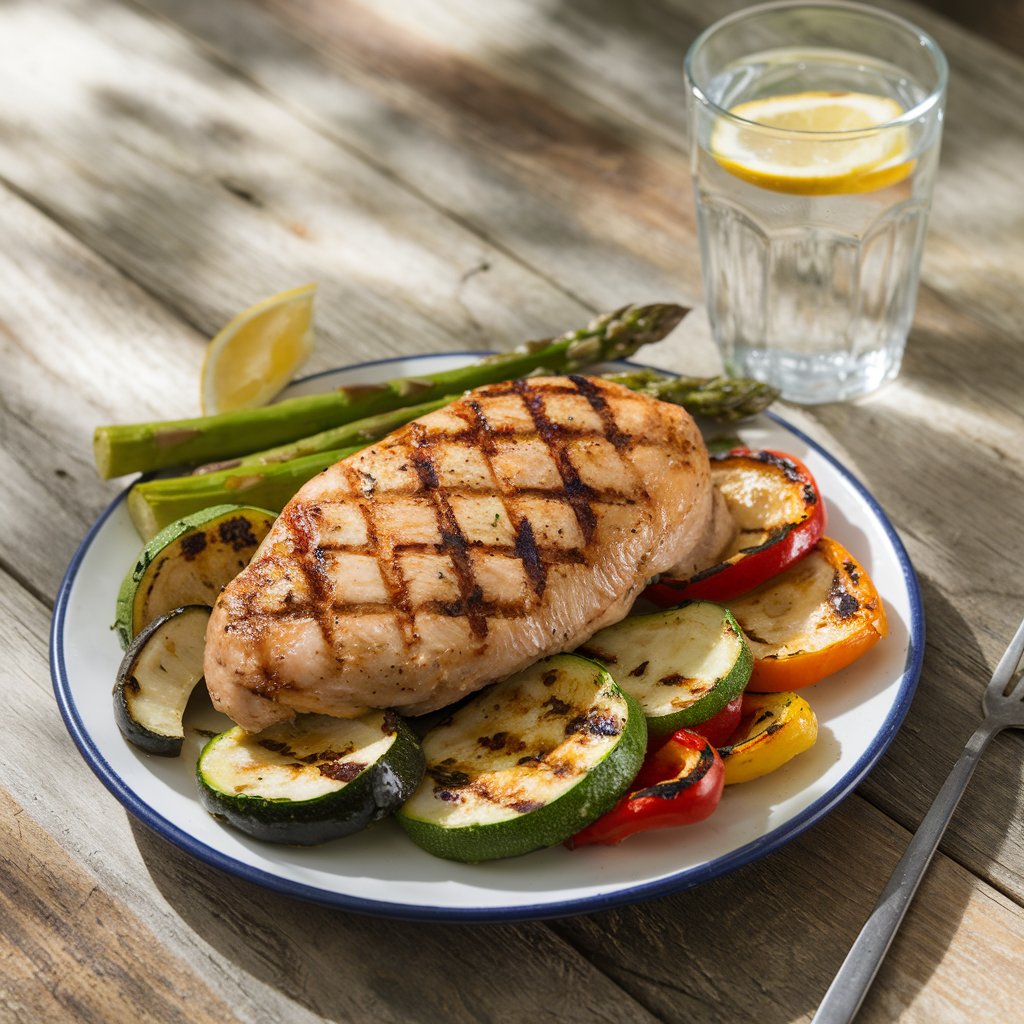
x,y
907,117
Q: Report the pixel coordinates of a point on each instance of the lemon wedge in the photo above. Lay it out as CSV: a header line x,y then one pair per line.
x,y
255,355
815,161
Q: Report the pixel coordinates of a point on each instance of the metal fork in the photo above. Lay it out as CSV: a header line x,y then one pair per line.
x,y
1003,703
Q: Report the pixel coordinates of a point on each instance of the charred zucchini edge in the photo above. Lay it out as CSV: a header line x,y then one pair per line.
x,y
377,791
595,793
125,616
134,730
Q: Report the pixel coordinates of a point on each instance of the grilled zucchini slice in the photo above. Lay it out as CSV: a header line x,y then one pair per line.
x,y
157,676
682,665
189,562
311,780
526,764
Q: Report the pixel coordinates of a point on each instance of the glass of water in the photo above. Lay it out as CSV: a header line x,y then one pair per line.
x,y
815,133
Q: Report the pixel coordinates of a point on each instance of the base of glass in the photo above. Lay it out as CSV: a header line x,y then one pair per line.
x,y
818,379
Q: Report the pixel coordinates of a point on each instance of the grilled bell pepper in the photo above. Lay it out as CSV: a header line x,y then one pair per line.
x,y
775,728
680,783
810,621
779,516
719,728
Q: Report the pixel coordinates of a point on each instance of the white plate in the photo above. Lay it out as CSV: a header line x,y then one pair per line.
x,y
379,871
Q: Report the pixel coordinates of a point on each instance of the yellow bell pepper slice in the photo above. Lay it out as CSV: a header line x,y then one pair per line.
x,y
774,728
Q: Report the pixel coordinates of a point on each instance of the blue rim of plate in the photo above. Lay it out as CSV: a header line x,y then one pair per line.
x,y
738,858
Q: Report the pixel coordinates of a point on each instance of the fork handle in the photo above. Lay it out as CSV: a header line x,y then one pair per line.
x,y
851,983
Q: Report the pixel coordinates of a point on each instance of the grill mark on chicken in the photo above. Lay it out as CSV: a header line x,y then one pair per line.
x,y
577,493
619,439
549,555
510,388
600,405
303,526
390,569
453,540
525,543
607,496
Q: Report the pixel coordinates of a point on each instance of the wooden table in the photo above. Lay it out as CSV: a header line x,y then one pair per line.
x,y
465,175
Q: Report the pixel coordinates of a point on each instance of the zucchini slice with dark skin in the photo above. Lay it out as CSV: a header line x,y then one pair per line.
x,y
311,780
157,676
189,562
682,665
526,764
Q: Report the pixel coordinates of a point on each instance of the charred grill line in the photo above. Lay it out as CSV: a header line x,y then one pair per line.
x,y
577,493
551,555
302,521
390,568
619,439
529,554
598,403
453,541
608,496
526,549
504,390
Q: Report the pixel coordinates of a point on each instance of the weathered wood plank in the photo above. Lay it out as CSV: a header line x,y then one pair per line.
x,y
1002,23
70,951
194,173
80,345
765,942
580,109
544,172
268,957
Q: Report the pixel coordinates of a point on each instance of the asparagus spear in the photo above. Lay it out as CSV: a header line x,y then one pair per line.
x,y
720,398
147,446
154,504
359,432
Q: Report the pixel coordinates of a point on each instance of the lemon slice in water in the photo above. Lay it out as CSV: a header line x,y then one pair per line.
x,y
254,356
815,161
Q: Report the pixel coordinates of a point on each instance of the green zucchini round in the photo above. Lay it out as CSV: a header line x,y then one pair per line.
x,y
188,562
311,780
527,764
156,677
683,665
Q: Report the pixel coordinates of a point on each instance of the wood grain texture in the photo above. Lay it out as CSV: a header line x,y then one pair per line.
x,y
70,951
178,172
560,128
764,942
1001,22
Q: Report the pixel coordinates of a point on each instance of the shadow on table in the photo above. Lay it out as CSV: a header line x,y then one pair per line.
x,y
346,967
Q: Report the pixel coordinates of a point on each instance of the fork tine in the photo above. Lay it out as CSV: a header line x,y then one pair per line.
x,y
1009,661
1017,688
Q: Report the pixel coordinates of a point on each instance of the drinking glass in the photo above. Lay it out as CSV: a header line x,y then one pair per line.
x,y
815,133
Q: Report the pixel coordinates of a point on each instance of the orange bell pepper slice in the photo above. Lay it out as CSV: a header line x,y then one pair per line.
x,y
813,619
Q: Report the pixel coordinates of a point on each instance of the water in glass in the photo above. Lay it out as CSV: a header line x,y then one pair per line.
x,y
812,286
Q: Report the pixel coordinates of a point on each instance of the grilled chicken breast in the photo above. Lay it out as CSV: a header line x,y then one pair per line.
x,y
512,524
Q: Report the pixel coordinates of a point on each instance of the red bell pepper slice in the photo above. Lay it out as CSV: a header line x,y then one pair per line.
x,y
780,515
680,783
719,727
